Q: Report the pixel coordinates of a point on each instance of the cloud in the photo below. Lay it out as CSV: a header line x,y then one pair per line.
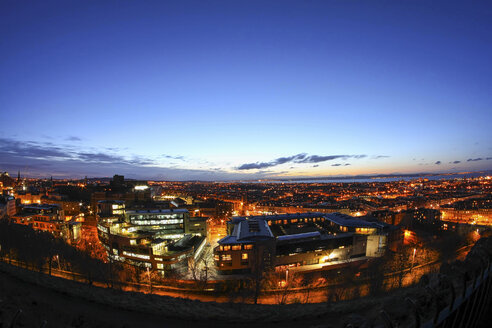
x,y
316,165
299,158
474,159
173,157
31,149
455,162
99,157
338,164
347,164
278,161
438,163
383,156
44,159
488,158
73,138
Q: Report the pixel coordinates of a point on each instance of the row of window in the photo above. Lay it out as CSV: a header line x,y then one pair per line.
x,y
236,247
270,222
365,230
228,257
156,222
155,216
43,225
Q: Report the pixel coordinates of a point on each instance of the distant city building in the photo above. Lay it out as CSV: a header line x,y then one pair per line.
x,y
7,206
50,218
471,211
157,239
28,198
70,207
302,241
6,180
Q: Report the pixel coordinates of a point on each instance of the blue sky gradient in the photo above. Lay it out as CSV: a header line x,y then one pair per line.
x,y
199,89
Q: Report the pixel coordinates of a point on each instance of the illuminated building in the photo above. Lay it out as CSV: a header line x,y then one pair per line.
x,y
6,180
50,218
28,198
155,238
70,207
305,241
7,206
131,192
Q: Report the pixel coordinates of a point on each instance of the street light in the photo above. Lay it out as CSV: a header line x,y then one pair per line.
x,y
150,281
413,258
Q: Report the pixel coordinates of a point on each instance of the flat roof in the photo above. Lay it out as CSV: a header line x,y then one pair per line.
x,y
350,221
41,206
314,234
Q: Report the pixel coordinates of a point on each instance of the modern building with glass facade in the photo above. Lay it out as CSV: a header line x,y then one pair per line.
x,y
155,238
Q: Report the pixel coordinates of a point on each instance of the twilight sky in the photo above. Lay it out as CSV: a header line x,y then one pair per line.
x,y
218,90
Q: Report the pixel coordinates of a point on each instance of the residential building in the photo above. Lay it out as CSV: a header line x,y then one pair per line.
x,y
50,218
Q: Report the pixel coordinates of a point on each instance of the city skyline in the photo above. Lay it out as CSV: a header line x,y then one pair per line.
x,y
227,91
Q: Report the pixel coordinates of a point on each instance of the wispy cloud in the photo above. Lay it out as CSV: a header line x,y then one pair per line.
x,y
474,159
31,149
43,159
73,138
173,157
455,162
299,158
438,163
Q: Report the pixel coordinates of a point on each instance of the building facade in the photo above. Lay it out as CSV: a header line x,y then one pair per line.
x,y
157,239
49,218
304,241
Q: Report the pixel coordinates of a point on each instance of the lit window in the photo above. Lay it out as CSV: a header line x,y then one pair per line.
x,y
227,248
226,257
244,256
236,247
248,246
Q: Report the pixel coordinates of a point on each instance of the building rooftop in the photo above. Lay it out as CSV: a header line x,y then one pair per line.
x,y
279,216
156,211
314,234
111,202
41,206
350,221
252,228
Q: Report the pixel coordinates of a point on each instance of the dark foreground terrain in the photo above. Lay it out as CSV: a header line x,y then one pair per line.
x,y
33,299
